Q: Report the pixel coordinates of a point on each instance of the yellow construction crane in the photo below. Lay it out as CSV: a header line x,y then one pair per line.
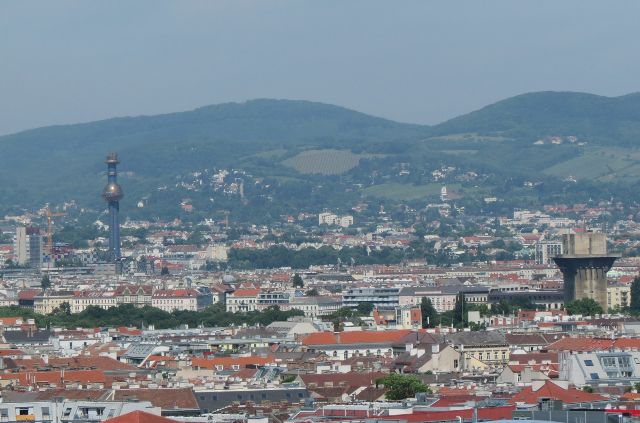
x,y
50,215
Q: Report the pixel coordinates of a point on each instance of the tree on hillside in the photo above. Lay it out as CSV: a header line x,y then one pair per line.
x,y
297,281
585,307
635,295
429,313
400,386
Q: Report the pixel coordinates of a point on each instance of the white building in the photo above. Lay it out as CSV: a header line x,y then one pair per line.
x,y
28,247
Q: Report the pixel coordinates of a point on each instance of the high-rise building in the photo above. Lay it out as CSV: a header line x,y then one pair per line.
x,y
547,250
584,265
112,194
28,247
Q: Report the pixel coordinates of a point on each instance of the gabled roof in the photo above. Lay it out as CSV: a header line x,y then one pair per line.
x,y
26,337
551,390
534,358
581,344
525,339
139,417
479,338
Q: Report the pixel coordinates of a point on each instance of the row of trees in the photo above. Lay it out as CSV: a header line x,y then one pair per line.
x,y
458,317
129,315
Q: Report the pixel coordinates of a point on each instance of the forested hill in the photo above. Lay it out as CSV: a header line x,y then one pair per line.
x,y
279,139
596,119
48,163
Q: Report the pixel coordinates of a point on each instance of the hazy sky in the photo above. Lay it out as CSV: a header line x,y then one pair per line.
x,y
414,61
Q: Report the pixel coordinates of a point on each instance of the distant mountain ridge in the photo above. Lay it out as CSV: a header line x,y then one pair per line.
x,y
605,120
64,162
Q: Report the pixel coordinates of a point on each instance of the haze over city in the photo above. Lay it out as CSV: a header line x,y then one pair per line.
x,y
419,61
319,212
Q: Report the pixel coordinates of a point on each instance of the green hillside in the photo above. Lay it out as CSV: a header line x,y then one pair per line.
x,y
592,118
299,153
65,162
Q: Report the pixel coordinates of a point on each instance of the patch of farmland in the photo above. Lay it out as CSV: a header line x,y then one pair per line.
x,y
324,162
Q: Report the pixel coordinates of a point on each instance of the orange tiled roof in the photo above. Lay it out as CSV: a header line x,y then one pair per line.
x,y
55,377
227,362
246,292
627,343
139,417
581,344
359,337
553,391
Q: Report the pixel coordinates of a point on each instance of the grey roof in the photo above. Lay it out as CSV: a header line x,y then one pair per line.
x,y
139,351
477,338
21,337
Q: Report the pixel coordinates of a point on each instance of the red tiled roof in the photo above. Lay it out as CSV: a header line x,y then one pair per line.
x,y
359,337
129,331
580,344
489,413
11,321
55,377
534,358
139,417
84,362
11,353
28,294
553,391
246,292
627,343
227,362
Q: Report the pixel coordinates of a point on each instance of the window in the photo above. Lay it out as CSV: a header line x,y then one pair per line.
x,y
594,376
588,363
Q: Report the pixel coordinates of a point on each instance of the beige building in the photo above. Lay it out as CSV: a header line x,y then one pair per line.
x,y
84,299
50,300
175,299
618,296
480,349
242,300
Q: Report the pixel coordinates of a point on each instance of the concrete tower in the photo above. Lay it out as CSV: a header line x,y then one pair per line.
x,y
584,265
112,194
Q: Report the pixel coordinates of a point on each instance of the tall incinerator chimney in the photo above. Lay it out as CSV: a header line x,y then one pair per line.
x,y
112,194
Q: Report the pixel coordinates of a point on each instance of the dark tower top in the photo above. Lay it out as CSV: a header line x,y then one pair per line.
x,y
112,191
